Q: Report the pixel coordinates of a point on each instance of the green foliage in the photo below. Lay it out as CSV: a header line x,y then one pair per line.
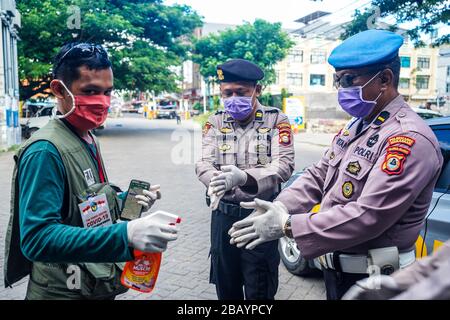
x,y
203,118
263,43
145,38
429,13
216,103
197,106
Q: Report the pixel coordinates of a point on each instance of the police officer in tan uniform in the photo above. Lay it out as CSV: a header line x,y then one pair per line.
x,y
247,153
374,184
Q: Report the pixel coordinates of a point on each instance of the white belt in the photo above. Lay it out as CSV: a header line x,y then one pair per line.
x,y
360,264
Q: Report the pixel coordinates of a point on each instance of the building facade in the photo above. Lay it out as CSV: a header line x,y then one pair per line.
x,y
306,72
10,132
443,80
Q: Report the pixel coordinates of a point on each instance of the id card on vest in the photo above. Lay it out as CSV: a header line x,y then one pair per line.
x,y
95,212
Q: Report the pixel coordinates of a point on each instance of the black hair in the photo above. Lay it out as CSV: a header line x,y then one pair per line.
x,y
395,67
67,69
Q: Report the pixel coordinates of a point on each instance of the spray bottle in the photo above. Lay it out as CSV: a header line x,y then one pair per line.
x,y
141,273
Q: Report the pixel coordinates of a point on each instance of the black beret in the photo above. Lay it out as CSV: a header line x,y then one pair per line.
x,y
239,70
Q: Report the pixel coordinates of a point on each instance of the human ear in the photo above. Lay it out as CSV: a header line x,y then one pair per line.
x,y
258,90
387,79
57,89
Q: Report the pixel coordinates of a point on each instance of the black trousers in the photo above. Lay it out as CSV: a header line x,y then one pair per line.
x,y
240,273
338,283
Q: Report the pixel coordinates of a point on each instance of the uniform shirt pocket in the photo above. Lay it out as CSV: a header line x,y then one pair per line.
x,y
352,176
334,159
259,150
226,149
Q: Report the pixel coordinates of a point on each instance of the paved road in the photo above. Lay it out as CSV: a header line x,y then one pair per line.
x,y
163,153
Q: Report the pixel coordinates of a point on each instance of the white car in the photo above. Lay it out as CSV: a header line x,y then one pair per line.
x,y
427,114
33,124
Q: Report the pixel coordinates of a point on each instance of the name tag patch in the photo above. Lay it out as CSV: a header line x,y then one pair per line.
x,y
363,152
95,212
341,143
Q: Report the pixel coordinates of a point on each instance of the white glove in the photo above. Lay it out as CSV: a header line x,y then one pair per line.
x,y
147,200
149,235
230,177
213,197
265,224
379,287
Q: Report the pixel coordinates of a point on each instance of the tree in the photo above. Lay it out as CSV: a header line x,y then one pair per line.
x,y
428,13
263,43
145,38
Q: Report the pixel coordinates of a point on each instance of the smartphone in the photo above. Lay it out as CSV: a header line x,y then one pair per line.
x,y
131,208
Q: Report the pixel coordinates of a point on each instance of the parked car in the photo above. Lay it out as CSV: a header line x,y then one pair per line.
x,y
133,107
166,112
427,114
437,224
40,119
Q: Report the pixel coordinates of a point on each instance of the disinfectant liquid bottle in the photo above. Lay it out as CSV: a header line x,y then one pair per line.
x,y
141,273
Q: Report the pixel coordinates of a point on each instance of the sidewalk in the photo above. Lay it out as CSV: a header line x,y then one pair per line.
x,y
317,139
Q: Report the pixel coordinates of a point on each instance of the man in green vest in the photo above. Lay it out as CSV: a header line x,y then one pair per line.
x,y
64,230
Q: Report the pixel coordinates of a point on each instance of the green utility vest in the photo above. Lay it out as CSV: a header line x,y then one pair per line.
x,y
50,280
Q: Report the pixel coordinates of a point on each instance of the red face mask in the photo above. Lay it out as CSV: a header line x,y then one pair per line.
x,y
88,112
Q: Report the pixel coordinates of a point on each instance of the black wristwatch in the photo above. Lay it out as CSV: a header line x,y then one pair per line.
x,y
287,229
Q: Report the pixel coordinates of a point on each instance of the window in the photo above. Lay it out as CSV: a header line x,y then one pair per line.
x,y
295,79
447,88
422,82
423,63
318,56
448,70
404,83
317,80
405,62
296,56
443,136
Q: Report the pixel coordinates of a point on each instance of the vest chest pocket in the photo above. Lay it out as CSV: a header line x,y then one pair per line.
x,y
226,149
259,149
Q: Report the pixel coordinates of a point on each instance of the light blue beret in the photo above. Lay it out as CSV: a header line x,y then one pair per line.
x,y
366,48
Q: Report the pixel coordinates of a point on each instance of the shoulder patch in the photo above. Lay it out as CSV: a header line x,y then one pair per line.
x,y
402,140
393,163
285,133
219,112
207,127
397,152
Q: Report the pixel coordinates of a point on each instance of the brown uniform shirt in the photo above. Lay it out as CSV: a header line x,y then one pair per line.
x,y
374,187
264,149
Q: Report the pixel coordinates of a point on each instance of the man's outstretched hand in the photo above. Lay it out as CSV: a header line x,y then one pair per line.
x,y
265,224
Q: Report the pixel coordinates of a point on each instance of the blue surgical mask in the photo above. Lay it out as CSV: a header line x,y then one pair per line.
x,y
239,108
352,101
